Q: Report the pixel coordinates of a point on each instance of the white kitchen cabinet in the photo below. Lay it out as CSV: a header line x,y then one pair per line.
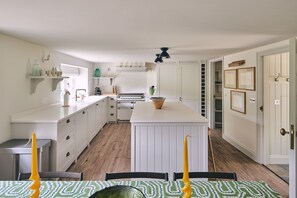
x,y
65,144
112,109
69,128
62,134
81,132
180,82
104,111
92,122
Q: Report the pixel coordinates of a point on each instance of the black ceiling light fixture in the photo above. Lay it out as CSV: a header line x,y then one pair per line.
x,y
164,53
158,59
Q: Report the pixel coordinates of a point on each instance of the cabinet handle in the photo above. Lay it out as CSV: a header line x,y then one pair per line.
x,y
67,154
111,106
68,137
68,120
111,99
83,112
111,114
97,104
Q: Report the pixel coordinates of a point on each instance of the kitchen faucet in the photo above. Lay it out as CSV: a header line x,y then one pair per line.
x,y
79,90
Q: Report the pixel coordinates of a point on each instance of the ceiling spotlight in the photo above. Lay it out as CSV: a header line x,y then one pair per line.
x,y
158,59
164,53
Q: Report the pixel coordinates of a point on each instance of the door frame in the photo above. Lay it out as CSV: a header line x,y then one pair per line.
x,y
210,90
293,116
262,138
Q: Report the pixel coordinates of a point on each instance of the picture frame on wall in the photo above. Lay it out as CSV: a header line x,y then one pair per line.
x,y
246,78
238,101
230,78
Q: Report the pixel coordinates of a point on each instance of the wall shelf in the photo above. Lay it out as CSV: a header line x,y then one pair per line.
x,y
35,80
131,68
104,78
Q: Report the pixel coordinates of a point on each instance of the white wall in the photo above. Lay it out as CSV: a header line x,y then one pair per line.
x,y
127,82
239,129
15,87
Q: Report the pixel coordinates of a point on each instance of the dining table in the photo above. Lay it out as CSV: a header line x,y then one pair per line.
x,y
150,188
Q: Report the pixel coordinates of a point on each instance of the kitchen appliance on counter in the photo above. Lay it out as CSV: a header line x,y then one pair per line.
x,y
125,104
97,91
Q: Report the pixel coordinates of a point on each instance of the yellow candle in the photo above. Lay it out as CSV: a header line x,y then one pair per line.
x,y
34,169
187,187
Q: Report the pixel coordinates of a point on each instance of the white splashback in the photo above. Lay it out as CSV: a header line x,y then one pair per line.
x,y
131,82
126,82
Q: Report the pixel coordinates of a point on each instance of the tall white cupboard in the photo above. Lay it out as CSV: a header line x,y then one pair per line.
x,y
180,82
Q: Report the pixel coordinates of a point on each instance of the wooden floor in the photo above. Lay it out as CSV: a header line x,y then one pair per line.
x,y
110,152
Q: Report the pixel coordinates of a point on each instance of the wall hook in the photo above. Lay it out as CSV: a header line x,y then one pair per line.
x,y
45,58
276,79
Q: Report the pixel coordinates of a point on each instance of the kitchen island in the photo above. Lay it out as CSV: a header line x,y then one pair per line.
x,y
157,138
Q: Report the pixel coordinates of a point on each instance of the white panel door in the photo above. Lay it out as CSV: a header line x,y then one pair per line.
x,y
276,112
293,117
190,81
168,81
190,86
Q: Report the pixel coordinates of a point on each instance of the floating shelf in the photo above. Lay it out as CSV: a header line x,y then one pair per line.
x,y
131,68
104,78
35,80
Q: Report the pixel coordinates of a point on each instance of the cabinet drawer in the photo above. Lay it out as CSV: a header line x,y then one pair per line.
x,y
112,115
111,106
65,154
65,127
112,111
66,142
112,102
65,159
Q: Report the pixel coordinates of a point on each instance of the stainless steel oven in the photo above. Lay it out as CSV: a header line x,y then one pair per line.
x,y
125,104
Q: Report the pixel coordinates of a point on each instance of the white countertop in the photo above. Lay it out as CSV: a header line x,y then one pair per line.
x,y
170,112
55,112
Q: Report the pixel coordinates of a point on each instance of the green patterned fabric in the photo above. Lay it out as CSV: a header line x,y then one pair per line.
x,y
149,188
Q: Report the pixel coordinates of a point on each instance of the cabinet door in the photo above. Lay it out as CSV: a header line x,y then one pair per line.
x,y
92,129
190,81
190,86
104,111
81,132
168,81
98,122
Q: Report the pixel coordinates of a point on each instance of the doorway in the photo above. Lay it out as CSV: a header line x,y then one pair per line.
x,y
215,94
276,113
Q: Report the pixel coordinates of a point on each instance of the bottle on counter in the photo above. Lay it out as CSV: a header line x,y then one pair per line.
x,y
114,90
66,98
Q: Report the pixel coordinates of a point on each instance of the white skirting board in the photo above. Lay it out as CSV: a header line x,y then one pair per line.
x,y
241,147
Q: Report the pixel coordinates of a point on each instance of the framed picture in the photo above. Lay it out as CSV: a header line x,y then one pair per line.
x,y
246,78
237,101
230,78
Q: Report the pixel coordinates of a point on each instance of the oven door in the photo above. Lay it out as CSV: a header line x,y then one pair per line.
x,y
124,110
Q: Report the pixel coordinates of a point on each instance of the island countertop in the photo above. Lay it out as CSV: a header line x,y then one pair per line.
x,y
170,112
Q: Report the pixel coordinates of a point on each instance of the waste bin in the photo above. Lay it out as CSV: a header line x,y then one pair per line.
x,y
15,157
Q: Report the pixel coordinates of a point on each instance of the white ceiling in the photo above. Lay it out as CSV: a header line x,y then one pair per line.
x,y
134,30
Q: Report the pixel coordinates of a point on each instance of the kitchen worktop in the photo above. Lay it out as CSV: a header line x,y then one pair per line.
x,y
55,112
170,112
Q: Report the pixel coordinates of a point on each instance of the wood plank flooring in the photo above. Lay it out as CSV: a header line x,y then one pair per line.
x,y
110,152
